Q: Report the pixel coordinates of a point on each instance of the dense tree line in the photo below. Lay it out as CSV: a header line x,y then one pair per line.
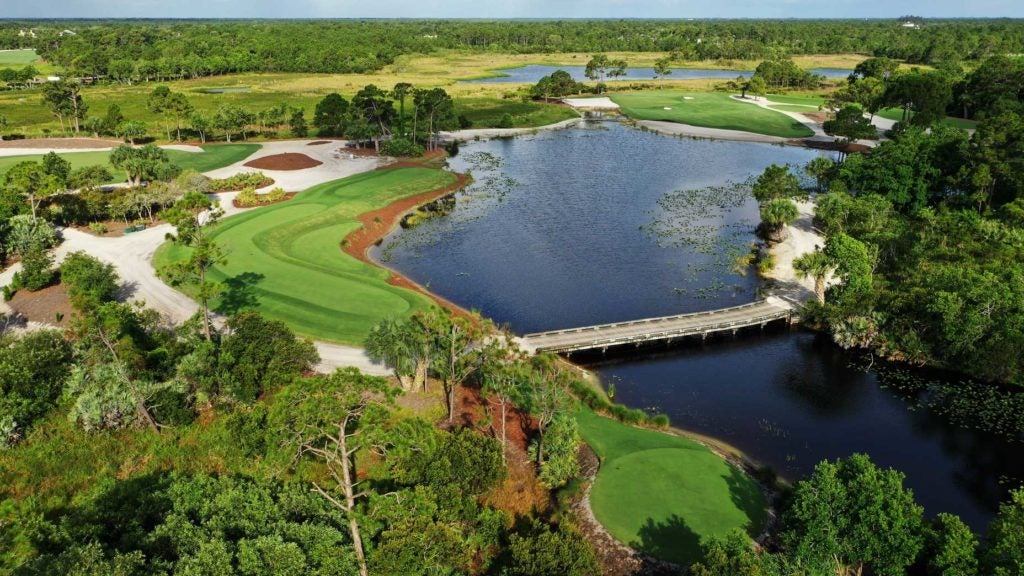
x,y
326,475
851,517
926,230
136,51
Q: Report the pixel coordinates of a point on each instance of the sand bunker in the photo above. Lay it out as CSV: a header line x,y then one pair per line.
x,y
287,161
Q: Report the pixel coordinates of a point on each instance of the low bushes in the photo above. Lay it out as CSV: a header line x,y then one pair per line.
x,y
598,403
90,282
402,147
241,182
248,198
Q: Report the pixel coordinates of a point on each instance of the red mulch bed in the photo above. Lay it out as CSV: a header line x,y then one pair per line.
x,y
70,143
378,223
44,305
318,143
115,228
287,196
288,161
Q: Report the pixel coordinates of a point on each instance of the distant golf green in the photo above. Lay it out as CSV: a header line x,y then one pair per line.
x,y
897,115
286,262
791,99
213,156
710,110
18,57
663,494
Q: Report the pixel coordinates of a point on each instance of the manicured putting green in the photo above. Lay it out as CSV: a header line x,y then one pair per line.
x,y
710,110
286,262
213,156
663,494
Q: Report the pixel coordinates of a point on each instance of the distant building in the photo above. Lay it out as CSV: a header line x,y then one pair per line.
x,y
68,33
53,78
30,33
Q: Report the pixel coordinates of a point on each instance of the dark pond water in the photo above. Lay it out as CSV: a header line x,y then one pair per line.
x,y
564,229
534,72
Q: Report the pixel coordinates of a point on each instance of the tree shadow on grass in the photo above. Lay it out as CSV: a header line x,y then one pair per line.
x,y
240,293
672,540
747,496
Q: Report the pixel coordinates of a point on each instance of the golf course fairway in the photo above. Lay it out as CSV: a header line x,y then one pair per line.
x,y
285,260
708,110
663,494
212,157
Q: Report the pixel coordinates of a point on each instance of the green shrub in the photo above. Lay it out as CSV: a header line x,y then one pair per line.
x,y
36,269
275,195
660,420
402,147
89,281
506,121
247,197
542,550
766,263
33,369
98,228
241,182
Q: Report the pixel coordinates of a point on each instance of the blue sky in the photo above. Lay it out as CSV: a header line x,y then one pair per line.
x,y
509,8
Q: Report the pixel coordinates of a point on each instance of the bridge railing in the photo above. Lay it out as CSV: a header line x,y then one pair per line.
x,y
658,319
647,336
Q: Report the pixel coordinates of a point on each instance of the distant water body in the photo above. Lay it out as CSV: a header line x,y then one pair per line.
x,y
534,72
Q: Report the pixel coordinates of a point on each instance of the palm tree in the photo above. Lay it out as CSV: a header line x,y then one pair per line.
x,y
388,343
776,214
816,265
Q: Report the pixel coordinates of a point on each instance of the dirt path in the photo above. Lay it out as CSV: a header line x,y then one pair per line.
x,y
132,257
801,239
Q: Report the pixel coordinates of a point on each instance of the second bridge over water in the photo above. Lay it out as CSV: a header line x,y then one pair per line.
x,y
664,328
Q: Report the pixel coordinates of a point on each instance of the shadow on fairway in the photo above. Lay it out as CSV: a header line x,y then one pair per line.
x,y
671,540
240,293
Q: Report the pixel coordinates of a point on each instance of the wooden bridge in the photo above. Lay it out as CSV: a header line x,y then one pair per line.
x,y
665,328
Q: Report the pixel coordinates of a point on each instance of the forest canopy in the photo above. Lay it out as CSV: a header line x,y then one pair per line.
x,y
175,49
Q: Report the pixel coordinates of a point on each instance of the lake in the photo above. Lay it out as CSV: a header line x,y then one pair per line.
x,y
565,228
534,72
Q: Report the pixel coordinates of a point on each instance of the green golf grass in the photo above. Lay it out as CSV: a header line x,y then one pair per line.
x,y
18,57
710,110
792,99
286,262
897,115
793,108
663,494
213,156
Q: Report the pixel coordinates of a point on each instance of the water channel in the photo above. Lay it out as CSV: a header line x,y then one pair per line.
x,y
565,229
534,72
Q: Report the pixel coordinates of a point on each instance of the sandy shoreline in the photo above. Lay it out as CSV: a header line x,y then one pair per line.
x,y
486,133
